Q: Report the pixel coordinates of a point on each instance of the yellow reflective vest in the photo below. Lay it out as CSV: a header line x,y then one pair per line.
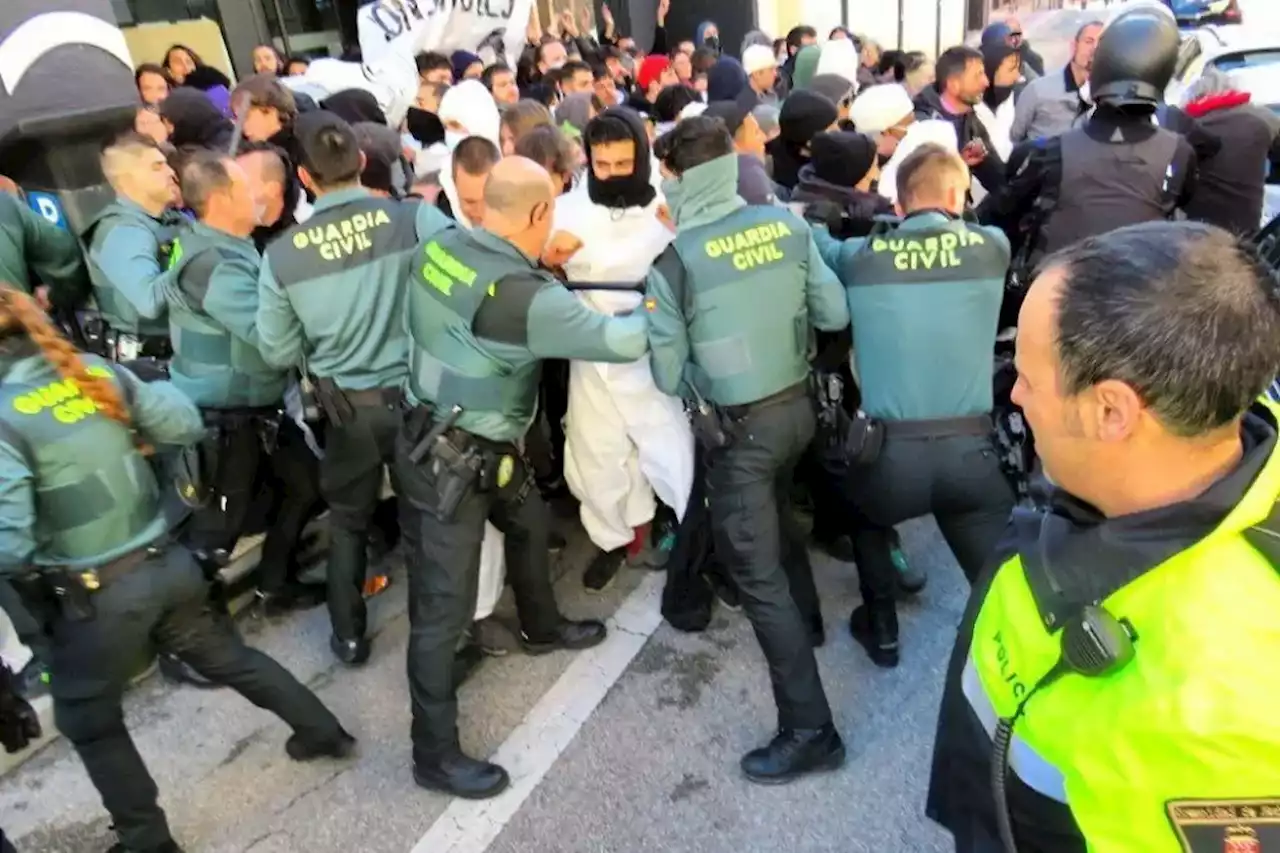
x,y
1184,742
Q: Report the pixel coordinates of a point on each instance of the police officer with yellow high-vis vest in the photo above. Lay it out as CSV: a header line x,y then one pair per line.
x,y
82,542
482,316
1114,685
332,302
734,300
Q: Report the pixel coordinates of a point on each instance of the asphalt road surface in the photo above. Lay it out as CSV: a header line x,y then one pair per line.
x,y
630,748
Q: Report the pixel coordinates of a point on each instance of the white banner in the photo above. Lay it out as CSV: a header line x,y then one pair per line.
x,y
386,26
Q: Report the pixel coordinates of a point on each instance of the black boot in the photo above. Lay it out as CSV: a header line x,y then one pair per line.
x,y
793,753
876,628
291,597
341,745
568,635
600,575
456,774
167,847
350,652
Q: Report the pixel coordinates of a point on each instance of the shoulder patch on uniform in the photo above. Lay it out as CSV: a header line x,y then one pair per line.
x,y
1226,826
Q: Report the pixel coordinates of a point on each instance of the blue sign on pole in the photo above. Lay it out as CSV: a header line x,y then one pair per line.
x,y
48,206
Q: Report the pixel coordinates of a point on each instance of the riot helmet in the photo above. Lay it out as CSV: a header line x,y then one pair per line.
x,y
1135,58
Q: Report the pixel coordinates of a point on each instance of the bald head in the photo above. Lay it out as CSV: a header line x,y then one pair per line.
x,y
515,187
518,197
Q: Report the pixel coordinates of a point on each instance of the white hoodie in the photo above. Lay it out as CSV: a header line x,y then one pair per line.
x,y
470,105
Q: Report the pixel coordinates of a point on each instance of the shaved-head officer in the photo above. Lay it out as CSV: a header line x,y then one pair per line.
x,y
482,315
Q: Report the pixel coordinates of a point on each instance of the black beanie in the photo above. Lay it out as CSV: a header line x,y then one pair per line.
x,y
842,158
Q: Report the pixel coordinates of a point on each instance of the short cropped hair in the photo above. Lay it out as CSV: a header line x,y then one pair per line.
x,y
330,151
486,76
476,156
524,115
954,61
925,170
797,35
1184,313
432,61
692,142
203,174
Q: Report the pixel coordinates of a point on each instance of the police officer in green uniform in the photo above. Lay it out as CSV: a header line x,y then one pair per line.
x,y
253,452
734,300
482,317
81,543
1116,663
332,302
129,245
924,298
31,245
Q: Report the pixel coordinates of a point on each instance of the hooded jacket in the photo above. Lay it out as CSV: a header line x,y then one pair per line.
x,y
996,109
470,105
1230,190
860,208
195,120
803,115
805,65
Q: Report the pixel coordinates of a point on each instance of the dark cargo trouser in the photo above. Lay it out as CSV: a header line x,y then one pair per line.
x,y
351,478
159,605
954,477
758,540
444,573
281,484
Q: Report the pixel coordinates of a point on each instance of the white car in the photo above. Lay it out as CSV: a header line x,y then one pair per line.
x,y
1227,48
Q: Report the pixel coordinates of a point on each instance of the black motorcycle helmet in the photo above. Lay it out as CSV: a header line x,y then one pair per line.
x,y
1135,58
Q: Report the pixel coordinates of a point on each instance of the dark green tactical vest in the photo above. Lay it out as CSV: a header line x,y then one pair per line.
x,y
210,365
118,311
93,490
745,283
448,366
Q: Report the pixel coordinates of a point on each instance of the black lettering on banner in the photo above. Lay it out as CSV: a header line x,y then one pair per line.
x,y
1225,826
412,8
465,4
381,13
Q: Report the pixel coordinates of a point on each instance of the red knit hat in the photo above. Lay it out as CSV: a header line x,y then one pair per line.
x,y
651,69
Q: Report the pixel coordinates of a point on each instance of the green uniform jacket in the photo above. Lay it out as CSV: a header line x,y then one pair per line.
x,y
925,302
332,289
126,264
35,251
213,323
482,317
59,456
734,298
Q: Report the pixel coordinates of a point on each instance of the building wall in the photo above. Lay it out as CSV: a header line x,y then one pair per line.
x,y
924,23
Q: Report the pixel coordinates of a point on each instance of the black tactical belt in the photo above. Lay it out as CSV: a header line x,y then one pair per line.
x,y
786,395
93,579
373,397
978,425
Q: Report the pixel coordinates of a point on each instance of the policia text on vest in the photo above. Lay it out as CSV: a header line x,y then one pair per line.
x,y
733,300
924,298
1176,752
481,317
332,301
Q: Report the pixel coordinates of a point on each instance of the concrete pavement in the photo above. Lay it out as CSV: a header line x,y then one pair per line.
x,y
653,768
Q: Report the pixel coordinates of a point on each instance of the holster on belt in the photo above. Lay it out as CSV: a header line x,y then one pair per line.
x,y
195,468
454,460
713,429
864,439
333,402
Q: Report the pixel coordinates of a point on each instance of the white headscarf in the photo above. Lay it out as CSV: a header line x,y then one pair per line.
x,y
936,131
470,105
839,57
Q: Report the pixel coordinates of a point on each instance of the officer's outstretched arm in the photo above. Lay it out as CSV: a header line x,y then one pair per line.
x,y
52,253
232,298
828,305
1006,206
161,412
668,329
280,333
128,258
17,511
562,326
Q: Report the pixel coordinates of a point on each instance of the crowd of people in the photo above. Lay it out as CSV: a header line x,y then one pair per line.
x,y
681,289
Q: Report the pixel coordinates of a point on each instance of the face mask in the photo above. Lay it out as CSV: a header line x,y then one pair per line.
x,y
259,213
555,66
424,126
713,42
452,139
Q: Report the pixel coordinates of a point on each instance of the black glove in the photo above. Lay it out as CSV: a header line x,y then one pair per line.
x,y
19,725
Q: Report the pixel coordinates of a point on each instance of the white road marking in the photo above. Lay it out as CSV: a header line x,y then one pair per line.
x,y
532,748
